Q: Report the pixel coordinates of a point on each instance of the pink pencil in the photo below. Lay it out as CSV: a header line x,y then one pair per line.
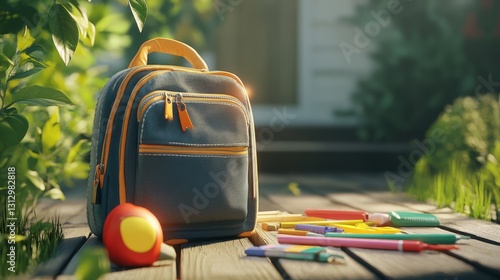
x,y
398,245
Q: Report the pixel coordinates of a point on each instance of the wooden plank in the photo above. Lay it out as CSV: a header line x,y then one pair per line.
x,y
265,204
479,254
159,270
69,209
278,195
69,270
72,216
312,270
479,229
224,260
74,237
424,265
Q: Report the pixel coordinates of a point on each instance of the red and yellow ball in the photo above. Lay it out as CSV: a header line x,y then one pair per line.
x,y
132,235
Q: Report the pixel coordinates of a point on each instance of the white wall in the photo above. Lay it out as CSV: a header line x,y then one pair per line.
x,y
326,79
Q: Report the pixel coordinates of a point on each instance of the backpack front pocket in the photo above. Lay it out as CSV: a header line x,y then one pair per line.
x,y
196,175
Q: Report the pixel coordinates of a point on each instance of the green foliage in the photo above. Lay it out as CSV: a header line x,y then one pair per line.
x,y
64,31
45,142
92,264
192,22
51,70
38,163
471,127
427,55
13,127
463,171
40,96
35,240
139,9
28,47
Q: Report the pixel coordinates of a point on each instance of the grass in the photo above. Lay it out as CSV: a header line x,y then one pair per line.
x,y
35,240
473,193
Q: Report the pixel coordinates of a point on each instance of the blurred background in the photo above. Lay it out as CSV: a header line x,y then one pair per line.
x,y
339,85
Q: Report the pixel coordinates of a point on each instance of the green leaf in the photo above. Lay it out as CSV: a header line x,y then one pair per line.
x,y
91,33
93,264
37,52
41,96
51,131
77,152
55,193
5,62
75,170
28,68
14,17
79,14
35,179
139,10
75,167
13,128
24,39
39,227
17,237
64,31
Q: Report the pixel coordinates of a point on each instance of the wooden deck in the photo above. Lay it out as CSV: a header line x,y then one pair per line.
x,y
478,258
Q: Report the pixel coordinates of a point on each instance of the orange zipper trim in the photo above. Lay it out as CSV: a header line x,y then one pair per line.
x,y
192,150
205,97
122,144
101,168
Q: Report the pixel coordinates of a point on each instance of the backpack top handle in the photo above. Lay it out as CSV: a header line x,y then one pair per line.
x,y
168,46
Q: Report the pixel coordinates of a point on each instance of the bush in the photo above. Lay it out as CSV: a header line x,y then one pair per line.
x,y
463,171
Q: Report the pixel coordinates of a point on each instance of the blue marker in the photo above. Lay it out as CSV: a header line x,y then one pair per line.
x,y
318,229
297,252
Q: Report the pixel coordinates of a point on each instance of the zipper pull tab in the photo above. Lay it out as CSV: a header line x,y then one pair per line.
x,y
98,183
169,112
183,114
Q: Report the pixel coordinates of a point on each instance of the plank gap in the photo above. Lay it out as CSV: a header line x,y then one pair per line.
x,y
281,270
472,236
178,252
475,264
364,263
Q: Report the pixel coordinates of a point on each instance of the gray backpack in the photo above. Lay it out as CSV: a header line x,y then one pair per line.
x,y
178,141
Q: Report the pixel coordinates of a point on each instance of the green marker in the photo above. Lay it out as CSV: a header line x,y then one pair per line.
x,y
429,238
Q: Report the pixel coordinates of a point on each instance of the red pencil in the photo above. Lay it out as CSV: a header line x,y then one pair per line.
x,y
337,214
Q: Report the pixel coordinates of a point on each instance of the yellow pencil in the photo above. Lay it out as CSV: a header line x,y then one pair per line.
x,y
287,218
320,223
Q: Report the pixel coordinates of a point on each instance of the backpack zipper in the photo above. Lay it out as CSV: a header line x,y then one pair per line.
x,y
100,170
192,150
168,96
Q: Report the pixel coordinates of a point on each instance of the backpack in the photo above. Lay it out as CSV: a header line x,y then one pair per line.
x,y
178,141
